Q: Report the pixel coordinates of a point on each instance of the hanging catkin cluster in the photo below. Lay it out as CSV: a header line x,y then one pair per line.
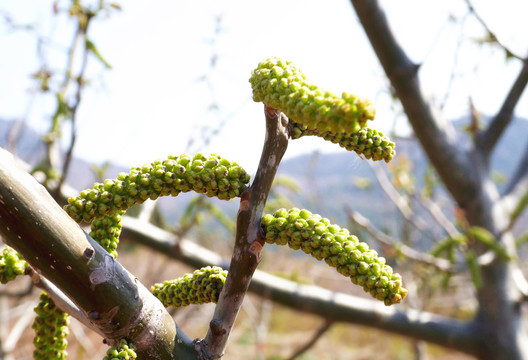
x,y
11,265
123,351
280,85
106,202
300,229
106,232
370,143
51,330
213,176
200,287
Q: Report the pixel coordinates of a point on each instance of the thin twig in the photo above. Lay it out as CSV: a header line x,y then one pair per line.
x,y
18,329
315,337
439,216
248,242
490,136
452,75
81,33
401,202
491,34
397,247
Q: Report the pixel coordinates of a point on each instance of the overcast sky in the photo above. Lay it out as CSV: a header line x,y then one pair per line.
x,y
156,97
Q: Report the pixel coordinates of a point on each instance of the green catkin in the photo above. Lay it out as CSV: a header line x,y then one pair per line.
x,y
11,265
51,329
300,229
280,85
106,232
368,142
123,351
200,287
106,202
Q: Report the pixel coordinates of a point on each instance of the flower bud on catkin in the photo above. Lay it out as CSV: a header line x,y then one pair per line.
x,y
367,142
301,229
11,265
51,330
200,287
123,351
280,85
106,232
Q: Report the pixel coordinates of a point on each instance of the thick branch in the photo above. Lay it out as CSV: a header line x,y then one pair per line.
x,y
332,306
489,138
248,244
449,160
108,295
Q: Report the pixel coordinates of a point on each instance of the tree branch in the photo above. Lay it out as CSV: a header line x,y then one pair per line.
x,y
62,302
450,161
315,300
248,242
398,247
401,202
489,137
108,295
316,336
515,197
491,33
437,214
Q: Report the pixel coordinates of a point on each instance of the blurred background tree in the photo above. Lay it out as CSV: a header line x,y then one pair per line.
x,y
454,227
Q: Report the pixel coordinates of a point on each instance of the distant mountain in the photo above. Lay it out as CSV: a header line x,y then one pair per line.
x,y
332,177
327,181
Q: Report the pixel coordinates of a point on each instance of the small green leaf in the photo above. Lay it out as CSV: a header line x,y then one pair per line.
x,y
90,46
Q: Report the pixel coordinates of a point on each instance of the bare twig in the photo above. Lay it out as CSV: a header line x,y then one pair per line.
x,y
397,247
491,34
248,243
19,328
450,161
452,74
401,202
315,337
82,30
439,216
315,300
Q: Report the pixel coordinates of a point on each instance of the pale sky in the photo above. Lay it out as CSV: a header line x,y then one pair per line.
x,y
154,99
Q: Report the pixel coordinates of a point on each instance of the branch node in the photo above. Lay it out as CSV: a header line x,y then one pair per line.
x,y
88,253
217,328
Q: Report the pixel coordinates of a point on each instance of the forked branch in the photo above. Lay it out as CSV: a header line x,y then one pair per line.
x,y
248,244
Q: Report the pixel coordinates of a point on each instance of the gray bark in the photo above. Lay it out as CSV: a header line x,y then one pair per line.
x,y
466,176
